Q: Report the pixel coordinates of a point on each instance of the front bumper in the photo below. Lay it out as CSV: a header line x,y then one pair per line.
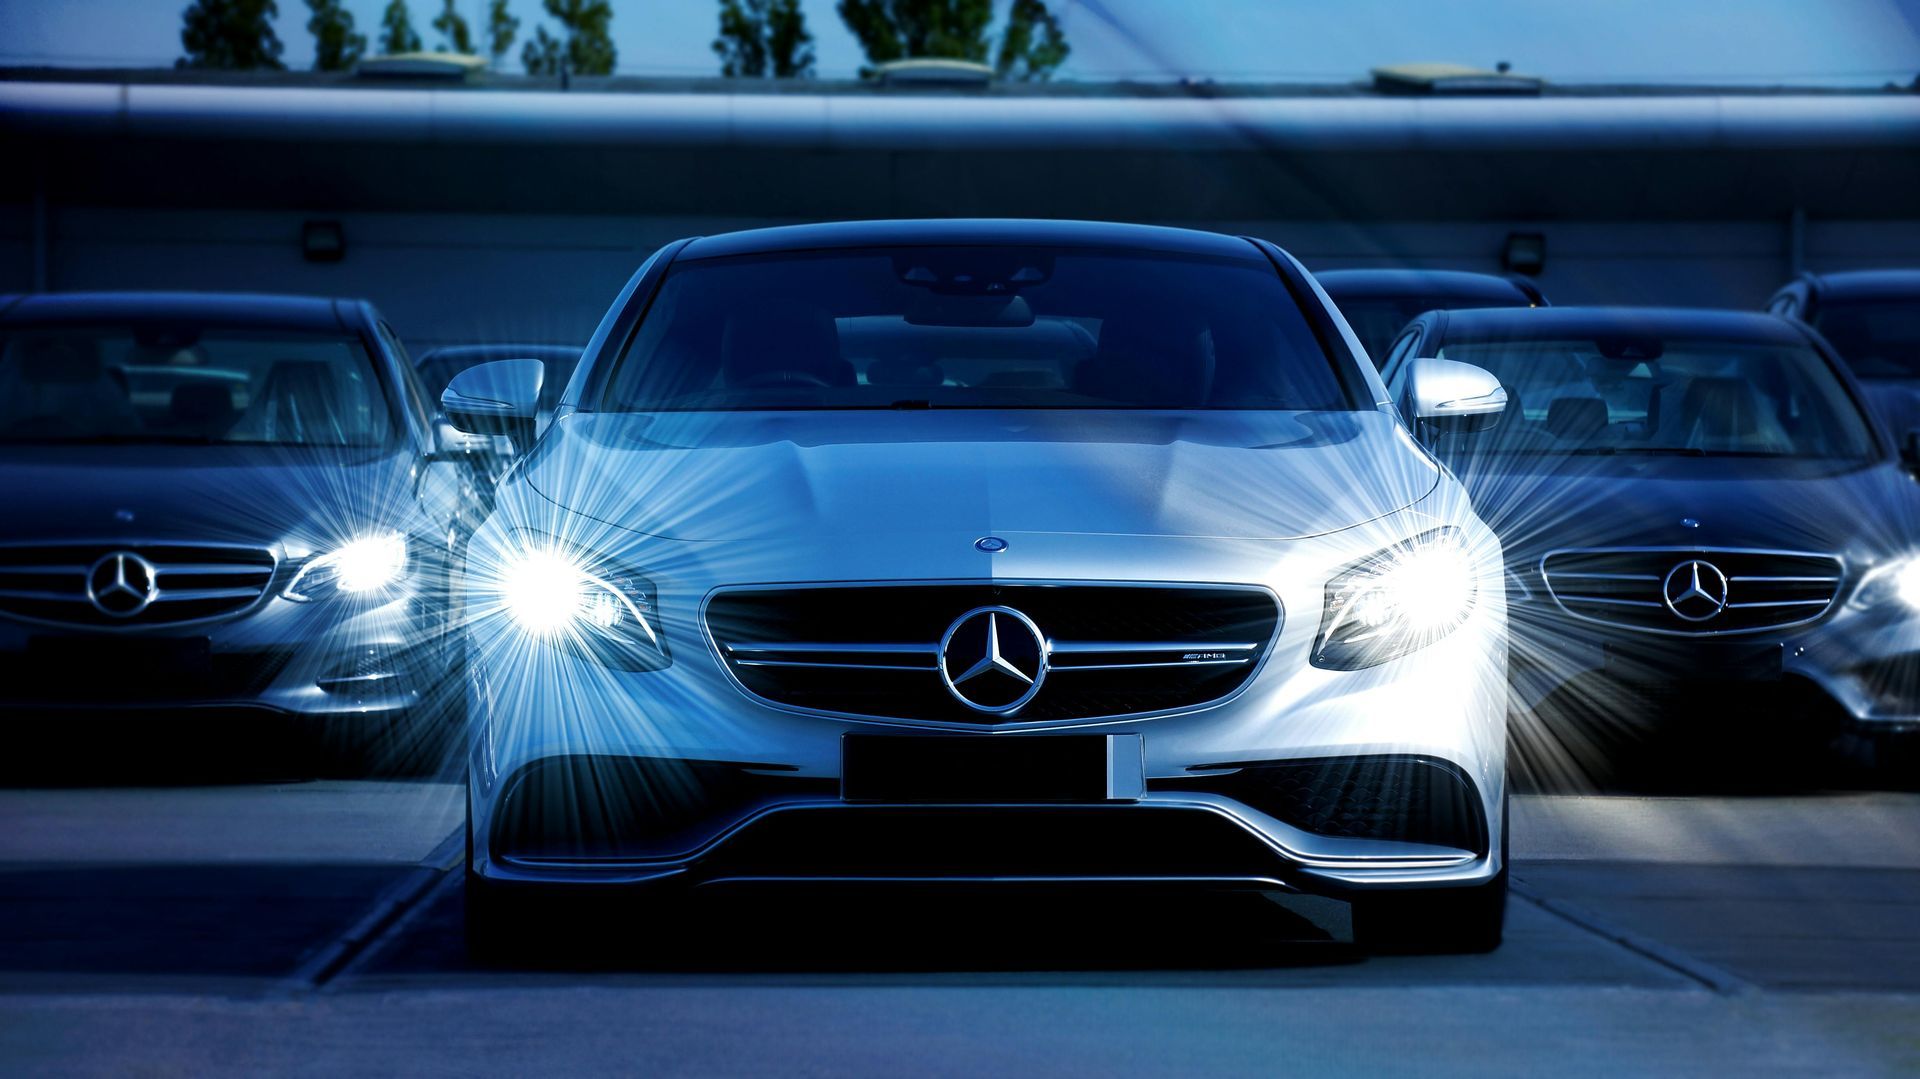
x,y
532,704
1865,662
331,658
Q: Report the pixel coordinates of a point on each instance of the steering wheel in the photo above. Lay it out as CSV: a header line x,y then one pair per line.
x,y
782,378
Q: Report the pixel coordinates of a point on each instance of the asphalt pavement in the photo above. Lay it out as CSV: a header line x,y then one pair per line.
x,y
266,926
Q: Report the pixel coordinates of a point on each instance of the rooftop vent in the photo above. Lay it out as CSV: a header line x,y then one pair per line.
x,y
1452,79
933,72
438,66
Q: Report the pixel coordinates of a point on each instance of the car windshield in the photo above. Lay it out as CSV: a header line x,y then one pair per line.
x,y
1671,397
975,327
189,384
1877,338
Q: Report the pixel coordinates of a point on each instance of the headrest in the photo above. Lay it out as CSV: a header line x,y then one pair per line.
x,y
292,379
202,404
1157,358
766,340
1720,408
61,360
905,371
1575,418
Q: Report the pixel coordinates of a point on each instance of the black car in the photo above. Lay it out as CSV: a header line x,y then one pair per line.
x,y
1379,303
1696,506
222,504
1872,319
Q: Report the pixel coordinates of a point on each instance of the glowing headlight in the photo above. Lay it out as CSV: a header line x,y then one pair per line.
x,y
605,616
1897,581
1396,601
365,564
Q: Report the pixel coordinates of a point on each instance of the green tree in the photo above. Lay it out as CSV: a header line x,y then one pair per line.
x,y
1031,44
230,34
455,34
587,43
502,28
396,29
335,46
762,37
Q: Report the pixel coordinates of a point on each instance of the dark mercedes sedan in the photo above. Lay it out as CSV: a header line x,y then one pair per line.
x,y
1379,303
222,504
1696,506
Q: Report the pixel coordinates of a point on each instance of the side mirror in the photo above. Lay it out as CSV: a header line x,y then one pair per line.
x,y
1450,397
498,398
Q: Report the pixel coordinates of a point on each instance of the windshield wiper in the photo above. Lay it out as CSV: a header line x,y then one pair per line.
x,y
906,404
1638,451
115,440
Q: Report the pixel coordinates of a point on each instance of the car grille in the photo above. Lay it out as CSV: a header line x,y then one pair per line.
x,y
1112,650
191,582
1410,799
1627,587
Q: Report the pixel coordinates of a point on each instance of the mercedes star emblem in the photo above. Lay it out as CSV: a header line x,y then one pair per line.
x,y
1695,591
121,584
993,659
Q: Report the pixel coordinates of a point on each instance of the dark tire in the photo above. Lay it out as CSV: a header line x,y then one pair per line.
x,y
1432,921
1896,760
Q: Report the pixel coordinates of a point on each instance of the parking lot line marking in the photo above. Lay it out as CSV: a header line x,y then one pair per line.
x,y
1712,977
393,904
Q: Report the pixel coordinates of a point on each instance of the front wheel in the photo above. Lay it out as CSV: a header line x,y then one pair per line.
x,y
1432,921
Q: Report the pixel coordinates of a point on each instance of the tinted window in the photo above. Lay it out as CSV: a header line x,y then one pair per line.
x,y
184,384
1675,397
1376,320
974,327
1879,339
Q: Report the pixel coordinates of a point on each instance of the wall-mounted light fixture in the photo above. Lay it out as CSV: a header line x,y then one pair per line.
x,y
323,241
1525,252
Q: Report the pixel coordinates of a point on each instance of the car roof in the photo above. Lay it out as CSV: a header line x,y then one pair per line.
x,y
1377,284
483,353
1541,323
985,231
1868,284
313,313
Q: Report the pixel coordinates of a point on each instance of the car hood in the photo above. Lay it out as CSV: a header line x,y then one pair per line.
x,y
228,494
717,476
1757,503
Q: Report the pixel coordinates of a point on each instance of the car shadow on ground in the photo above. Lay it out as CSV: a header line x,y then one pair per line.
x,y
919,933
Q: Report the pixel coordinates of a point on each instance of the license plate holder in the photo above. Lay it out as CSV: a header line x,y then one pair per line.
x,y
1709,661
991,768
122,662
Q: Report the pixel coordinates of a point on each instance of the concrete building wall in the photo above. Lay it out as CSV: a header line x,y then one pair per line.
x,y
447,278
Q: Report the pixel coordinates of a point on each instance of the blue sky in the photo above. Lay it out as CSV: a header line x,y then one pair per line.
x,y
1795,41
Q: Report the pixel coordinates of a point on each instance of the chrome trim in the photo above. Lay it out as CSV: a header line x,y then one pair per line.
x,y
1151,666
272,571
835,666
716,650
1540,566
681,861
1074,647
